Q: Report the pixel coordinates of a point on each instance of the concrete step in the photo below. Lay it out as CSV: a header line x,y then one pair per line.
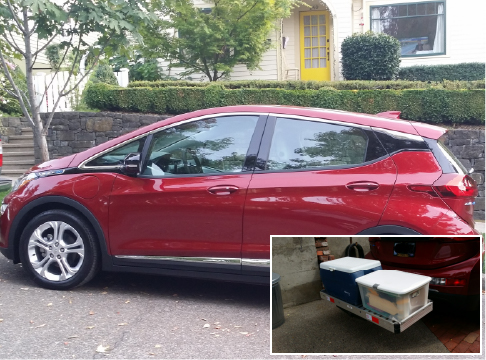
x,y
27,130
18,155
20,137
13,173
29,142
14,147
18,162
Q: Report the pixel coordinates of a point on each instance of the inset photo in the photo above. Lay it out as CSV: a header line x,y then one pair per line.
x,y
386,294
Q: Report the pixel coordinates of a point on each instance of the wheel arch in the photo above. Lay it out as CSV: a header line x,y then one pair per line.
x,y
45,203
389,230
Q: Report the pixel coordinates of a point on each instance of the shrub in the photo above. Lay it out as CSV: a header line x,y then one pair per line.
x,y
370,56
462,72
426,105
103,73
316,85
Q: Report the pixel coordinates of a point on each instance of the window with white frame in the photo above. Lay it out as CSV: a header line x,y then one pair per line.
x,y
420,27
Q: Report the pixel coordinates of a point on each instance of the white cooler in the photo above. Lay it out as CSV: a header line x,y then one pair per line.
x,y
392,293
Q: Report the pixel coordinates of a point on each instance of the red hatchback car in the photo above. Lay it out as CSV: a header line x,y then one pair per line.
x,y
200,194
453,263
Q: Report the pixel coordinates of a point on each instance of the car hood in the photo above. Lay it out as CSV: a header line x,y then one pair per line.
x,y
54,164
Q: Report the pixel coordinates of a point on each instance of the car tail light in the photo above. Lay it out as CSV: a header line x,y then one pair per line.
x,y
459,186
448,281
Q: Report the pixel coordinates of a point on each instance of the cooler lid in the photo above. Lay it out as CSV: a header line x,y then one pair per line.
x,y
393,281
349,264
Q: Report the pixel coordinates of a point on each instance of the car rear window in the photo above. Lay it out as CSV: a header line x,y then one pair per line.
x,y
303,144
446,159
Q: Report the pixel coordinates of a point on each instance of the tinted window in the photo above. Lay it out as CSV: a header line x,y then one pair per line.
x,y
216,145
299,144
116,157
395,141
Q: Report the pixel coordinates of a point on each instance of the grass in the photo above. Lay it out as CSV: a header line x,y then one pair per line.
x,y
3,194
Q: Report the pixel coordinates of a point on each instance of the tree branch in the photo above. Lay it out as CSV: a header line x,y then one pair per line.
x,y
14,15
46,44
12,44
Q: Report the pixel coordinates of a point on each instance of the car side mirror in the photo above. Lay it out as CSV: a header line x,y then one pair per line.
x,y
132,165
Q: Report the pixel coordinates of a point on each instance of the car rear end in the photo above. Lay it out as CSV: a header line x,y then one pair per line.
x,y
453,263
433,191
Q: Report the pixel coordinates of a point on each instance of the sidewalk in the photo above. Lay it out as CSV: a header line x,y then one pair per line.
x,y
321,327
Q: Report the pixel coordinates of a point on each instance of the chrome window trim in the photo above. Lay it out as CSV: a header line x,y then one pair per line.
x,y
114,147
214,260
399,134
310,118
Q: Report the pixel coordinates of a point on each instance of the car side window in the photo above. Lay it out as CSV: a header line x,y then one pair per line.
x,y
209,146
301,144
116,156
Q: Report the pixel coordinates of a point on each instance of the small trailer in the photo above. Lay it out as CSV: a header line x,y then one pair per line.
x,y
386,323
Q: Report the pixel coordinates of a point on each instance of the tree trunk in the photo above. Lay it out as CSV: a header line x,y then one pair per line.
x,y
38,125
40,140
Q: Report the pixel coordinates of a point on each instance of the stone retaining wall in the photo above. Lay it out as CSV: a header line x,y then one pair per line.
x,y
72,132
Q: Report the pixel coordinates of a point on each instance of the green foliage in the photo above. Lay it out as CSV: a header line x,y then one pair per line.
x,y
463,71
103,73
426,105
212,43
370,56
9,105
316,85
140,69
53,54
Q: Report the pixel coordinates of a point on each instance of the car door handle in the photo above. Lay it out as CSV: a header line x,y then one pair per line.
x,y
223,189
363,186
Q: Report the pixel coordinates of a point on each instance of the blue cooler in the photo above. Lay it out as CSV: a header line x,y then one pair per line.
x,y
339,277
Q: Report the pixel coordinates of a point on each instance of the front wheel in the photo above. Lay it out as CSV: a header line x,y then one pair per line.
x,y
59,250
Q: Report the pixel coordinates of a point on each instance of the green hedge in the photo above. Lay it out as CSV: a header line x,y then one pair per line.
x,y
316,85
370,56
453,72
426,105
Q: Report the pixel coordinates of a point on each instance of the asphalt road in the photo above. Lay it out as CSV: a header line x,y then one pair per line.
x,y
132,316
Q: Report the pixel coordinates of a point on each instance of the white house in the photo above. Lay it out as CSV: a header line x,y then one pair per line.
x,y
308,43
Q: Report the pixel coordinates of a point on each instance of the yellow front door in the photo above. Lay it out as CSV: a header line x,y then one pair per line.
x,y
314,46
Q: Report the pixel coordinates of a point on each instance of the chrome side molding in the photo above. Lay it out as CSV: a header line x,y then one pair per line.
x,y
225,261
256,262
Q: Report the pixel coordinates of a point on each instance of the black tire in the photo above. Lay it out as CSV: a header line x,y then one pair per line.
x,y
60,265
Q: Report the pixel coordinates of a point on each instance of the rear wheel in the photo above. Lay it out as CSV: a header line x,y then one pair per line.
x,y
59,250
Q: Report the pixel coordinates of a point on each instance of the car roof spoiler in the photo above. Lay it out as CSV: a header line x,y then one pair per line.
x,y
393,114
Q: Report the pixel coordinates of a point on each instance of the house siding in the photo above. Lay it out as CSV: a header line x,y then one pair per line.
x,y
465,36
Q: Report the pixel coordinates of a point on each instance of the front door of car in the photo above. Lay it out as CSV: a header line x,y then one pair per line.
x,y
315,178
186,206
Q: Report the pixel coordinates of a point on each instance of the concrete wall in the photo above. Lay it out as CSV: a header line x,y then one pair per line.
x,y
73,132
295,260
337,245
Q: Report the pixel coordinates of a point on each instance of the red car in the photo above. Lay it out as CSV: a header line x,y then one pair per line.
x,y
453,263
200,194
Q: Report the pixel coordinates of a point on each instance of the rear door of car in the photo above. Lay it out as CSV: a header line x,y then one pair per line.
x,y
315,177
